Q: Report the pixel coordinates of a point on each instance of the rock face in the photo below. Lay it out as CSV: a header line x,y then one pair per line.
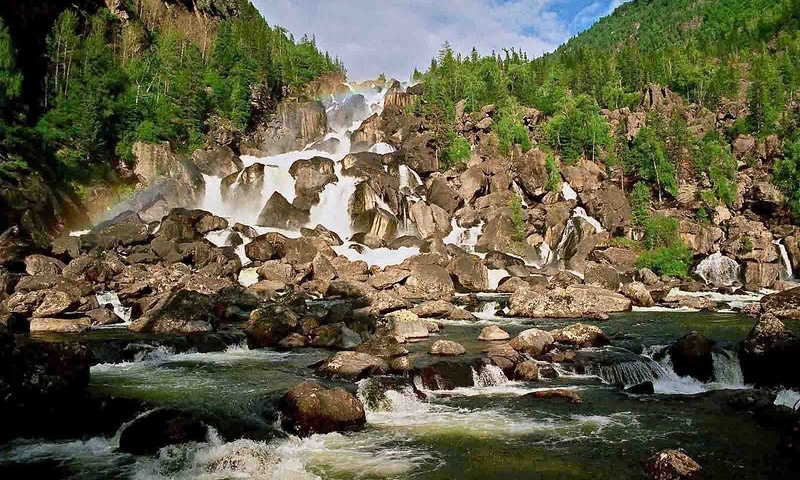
x,y
156,429
767,351
691,356
310,409
279,213
574,301
469,274
672,465
295,125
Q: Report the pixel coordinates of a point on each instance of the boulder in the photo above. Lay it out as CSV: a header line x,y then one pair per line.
x,y
404,324
558,394
60,325
672,465
388,278
352,366
429,282
473,183
447,348
575,301
334,335
217,161
53,303
384,347
639,294
294,126
531,172
532,341
493,333
527,371
378,223
279,213
183,225
758,276
580,335
622,259
610,207
600,275
766,352
469,274
184,311
268,325
718,270
447,375
430,220
442,194
158,428
785,305
40,264
691,356
309,409
302,251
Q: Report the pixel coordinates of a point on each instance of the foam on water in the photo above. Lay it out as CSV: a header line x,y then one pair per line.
x,y
380,257
788,398
495,276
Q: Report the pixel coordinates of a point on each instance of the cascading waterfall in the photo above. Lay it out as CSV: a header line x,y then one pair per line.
x,y
788,273
718,270
488,376
629,373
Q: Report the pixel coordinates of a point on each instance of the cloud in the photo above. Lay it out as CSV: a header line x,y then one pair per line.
x,y
394,37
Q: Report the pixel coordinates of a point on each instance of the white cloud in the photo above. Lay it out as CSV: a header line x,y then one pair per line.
x,y
394,37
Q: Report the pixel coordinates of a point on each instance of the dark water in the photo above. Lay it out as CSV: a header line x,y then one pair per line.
x,y
487,432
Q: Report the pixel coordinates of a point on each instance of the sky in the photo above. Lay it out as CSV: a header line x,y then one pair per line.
x,y
395,36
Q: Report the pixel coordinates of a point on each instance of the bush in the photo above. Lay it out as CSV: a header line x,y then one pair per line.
x,y
457,152
579,131
648,161
673,261
640,204
510,129
518,218
554,180
661,231
786,174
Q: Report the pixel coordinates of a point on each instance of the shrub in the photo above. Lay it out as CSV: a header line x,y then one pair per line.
x,y
518,218
554,180
457,151
673,261
786,174
661,231
640,204
510,129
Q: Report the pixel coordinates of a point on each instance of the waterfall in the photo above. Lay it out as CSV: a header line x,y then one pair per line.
x,y
727,370
629,373
718,270
488,376
788,272
567,192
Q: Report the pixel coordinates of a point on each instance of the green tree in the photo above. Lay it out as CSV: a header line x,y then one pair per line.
x,y
786,174
580,130
765,97
647,160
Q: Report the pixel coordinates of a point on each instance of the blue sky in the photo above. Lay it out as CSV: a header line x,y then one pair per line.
x,y
394,37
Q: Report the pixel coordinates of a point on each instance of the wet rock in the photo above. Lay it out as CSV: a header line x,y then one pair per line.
x,y
352,366
404,324
294,126
300,252
447,375
447,348
469,273
267,326
331,238
532,341
672,465
644,388
572,302
691,356
182,312
559,394
103,316
158,428
279,213
493,333
527,371
217,161
580,335
718,270
767,350
383,347
53,303
60,325
335,335
310,409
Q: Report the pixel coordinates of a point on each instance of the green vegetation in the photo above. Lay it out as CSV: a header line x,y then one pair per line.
x,y
510,129
648,162
158,76
640,205
518,219
786,174
579,130
456,152
554,181
673,261
714,158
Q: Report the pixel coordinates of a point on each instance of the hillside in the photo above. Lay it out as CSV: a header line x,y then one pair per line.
x,y
82,82
688,106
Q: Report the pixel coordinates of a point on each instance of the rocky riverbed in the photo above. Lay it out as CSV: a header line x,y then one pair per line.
x,y
342,311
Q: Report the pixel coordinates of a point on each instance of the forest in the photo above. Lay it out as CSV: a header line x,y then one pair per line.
x,y
144,70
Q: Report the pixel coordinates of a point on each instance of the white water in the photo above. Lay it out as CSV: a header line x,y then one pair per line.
x,y
718,270
111,298
788,273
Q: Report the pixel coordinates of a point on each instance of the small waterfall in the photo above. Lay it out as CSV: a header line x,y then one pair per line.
x,y
333,209
212,201
567,192
488,376
727,370
718,270
629,373
571,229
788,273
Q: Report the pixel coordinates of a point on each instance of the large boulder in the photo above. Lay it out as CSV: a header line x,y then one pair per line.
x,y
447,348
40,264
493,333
610,207
429,282
158,428
279,213
267,326
309,409
158,161
580,335
758,276
531,172
473,183
243,188
352,366
59,325
442,194
217,161
532,341
404,324
574,301
447,375
469,274
311,176
184,311
766,353
692,356
183,225
784,305
430,220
